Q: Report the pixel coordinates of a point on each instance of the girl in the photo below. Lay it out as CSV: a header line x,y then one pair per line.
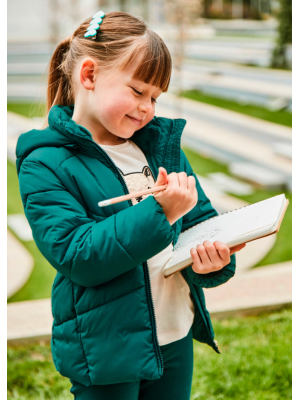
x,y
120,330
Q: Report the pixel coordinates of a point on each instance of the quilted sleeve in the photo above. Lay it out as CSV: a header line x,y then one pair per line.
x,y
202,211
88,252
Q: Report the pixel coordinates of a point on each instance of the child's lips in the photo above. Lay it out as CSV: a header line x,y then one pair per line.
x,y
134,120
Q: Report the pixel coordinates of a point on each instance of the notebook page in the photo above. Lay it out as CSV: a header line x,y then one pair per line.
x,y
228,226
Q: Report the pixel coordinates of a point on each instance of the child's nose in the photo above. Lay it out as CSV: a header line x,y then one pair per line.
x,y
145,106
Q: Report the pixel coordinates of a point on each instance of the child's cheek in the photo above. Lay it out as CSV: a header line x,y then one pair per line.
x,y
119,107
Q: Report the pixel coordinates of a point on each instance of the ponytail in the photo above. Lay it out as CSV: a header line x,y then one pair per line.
x,y
59,85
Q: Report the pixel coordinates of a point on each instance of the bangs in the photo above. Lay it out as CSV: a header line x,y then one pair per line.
x,y
155,64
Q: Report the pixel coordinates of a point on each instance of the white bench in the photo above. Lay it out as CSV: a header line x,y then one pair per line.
x,y
258,175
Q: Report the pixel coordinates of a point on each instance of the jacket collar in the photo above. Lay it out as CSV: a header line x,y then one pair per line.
x,y
159,138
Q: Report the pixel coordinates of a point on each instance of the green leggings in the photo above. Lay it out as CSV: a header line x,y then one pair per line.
x,y
175,383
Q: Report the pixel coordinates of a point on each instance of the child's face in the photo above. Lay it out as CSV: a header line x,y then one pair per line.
x,y
116,107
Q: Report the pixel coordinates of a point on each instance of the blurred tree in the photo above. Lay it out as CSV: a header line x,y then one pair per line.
x,y
284,38
122,5
231,9
54,20
181,14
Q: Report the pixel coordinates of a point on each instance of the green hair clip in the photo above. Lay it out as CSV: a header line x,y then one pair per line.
x,y
94,25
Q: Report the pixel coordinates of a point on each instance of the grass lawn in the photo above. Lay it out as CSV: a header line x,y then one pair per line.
x,y
29,110
278,117
282,251
39,284
255,364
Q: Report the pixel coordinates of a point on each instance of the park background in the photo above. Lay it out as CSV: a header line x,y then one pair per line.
x,y
232,82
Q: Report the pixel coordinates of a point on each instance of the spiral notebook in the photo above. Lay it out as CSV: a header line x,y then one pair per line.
x,y
232,228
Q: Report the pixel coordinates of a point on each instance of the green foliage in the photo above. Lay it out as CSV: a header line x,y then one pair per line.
x,y
255,364
279,59
278,117
282,250
39,284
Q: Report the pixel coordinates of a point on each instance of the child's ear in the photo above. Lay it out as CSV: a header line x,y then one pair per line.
x,y
87,73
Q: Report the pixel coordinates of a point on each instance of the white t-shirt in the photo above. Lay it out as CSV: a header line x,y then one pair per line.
x,y
173,306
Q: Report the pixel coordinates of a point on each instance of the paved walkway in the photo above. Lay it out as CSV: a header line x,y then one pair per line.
x,y
257,290
29,321
261,288
19,264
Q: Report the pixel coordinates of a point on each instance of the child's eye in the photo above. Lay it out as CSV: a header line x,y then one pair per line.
x,y
136,91
153,100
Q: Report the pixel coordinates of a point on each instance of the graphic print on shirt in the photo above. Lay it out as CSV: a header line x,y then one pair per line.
x,y
137,181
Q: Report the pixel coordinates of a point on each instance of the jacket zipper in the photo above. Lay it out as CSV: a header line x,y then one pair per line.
x,y
148,286
154,320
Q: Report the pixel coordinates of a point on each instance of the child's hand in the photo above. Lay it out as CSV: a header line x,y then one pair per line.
x,y
179,197
211,257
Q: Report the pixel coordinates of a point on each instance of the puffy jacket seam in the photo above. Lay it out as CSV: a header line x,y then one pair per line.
x,y
45,166
66,159
74,256
90,171
115,226
62,190
95,308
79,334
41,191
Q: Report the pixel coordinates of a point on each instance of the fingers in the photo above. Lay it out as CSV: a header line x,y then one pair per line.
x,y
163,173
237,248
197,264
223,251
209,257
201,263
187,182
191,183
182,179
162,177
202,255
173,180
212,253
179,179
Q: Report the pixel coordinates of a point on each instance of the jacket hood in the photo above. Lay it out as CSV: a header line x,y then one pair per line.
x,y
64,132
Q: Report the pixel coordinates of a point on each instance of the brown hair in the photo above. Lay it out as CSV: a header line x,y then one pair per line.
x,y
120,39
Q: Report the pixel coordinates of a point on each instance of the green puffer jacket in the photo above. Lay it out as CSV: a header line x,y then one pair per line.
x,y
104,328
